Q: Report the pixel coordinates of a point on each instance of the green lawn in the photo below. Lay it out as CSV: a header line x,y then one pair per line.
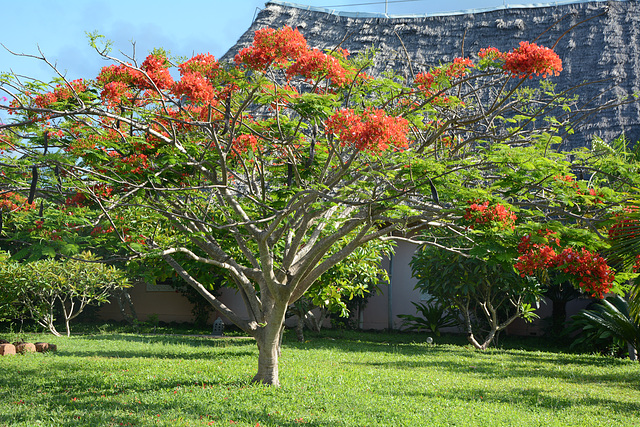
x,y
337,379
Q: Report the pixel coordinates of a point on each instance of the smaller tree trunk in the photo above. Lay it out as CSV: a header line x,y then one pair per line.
x,y
300,327
633,354
123,299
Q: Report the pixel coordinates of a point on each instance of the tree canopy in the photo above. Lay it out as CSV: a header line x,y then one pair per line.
x,y
276,168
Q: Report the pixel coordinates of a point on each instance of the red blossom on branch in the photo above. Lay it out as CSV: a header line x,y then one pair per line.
x,y
588,269
371,130
489,215
196,88
203,64
243,143
157,68
272,46
624,226
78,200
440,78
491,53
529,59
60,93
10,202
315,64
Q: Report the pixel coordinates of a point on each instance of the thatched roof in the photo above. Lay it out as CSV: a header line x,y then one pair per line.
x,y
598,41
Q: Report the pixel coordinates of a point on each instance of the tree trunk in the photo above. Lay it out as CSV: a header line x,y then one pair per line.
x,y
300,326
268,341
123,297
633,354
558,316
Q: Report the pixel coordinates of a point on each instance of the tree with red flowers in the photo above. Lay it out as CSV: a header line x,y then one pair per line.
x,y
277,167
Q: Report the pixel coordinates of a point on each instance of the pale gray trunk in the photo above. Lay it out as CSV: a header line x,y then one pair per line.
x,y
268,338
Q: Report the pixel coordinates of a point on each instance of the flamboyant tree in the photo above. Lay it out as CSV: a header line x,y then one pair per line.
x,y
279,166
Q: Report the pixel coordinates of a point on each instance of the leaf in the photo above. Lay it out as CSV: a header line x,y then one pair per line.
x,y
48,251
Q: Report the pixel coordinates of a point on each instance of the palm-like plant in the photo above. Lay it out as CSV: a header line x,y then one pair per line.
x,y
625,247
625,232
609,318
433,317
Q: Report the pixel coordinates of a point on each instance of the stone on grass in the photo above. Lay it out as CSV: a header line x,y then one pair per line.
x,y
26,347
6,349
41,347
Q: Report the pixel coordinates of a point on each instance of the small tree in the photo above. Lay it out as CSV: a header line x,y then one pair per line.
x,y
355,277
487,293
42,287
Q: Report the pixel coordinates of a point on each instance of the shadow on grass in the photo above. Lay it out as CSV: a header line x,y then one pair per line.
x,y
155,414
531,397
83,400
156,346
513,364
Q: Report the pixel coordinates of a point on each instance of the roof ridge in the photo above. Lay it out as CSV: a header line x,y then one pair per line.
x,y
452,13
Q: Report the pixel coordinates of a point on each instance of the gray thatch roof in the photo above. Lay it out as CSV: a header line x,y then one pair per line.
x,y
598,41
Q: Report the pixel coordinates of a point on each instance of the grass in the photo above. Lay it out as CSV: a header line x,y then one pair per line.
x,y
334,379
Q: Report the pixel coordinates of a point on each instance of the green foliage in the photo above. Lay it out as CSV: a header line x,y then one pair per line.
x,y
356,276
432,316
38,289
486,293
607,321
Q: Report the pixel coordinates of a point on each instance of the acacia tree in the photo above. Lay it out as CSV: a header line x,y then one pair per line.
x,y
278,167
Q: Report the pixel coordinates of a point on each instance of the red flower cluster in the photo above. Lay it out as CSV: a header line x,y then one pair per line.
x,y
203,64
10,202
537,256
100,230
286,45
60,93
624,226
564,178
243,143
529,59
195,83
102,190
315,64
589,269
116,92
571,183
78,200
371,130
196,87
439,78
119,81
273,46
135,163
484,214
491,53
157,68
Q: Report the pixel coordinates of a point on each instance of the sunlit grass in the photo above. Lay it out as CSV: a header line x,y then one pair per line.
x,y
332,380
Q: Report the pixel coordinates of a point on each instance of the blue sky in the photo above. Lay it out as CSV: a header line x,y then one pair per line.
x,y
58,27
